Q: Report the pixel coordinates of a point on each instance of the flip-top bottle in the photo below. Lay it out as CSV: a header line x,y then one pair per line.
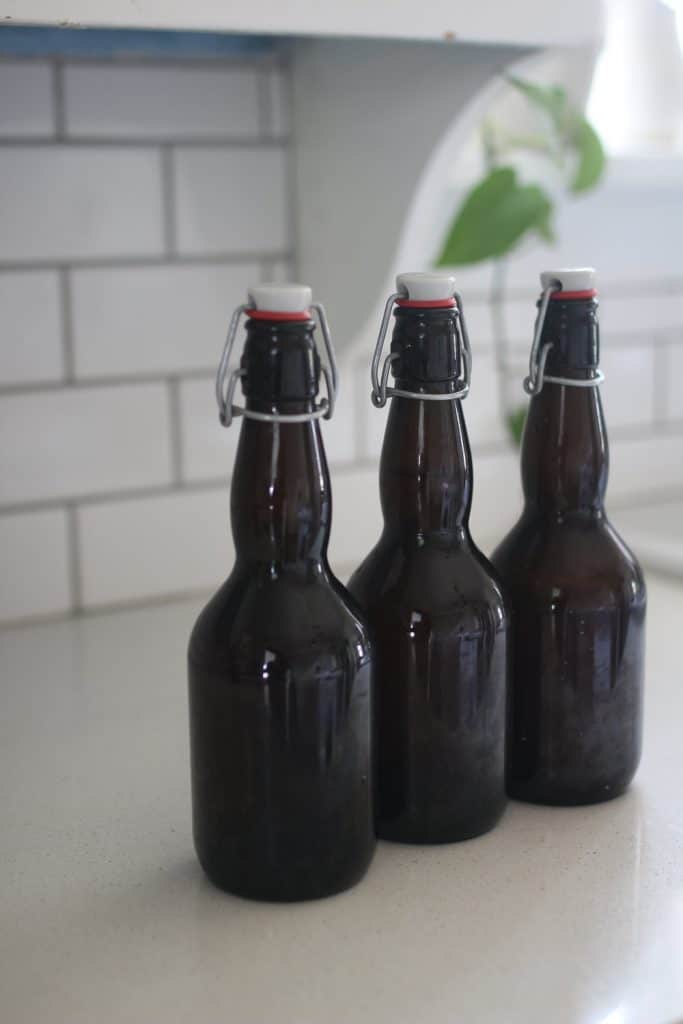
x,y
433,603
279,661
577,593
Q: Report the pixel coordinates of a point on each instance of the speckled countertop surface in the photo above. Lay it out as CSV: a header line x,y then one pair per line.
x,y
557,916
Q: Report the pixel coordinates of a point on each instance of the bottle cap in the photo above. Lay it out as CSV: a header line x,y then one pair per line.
x,y
429,289
279,301
576,282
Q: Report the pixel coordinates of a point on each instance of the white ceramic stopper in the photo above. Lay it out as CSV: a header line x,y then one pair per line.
x,y
430,286
571,279
280,298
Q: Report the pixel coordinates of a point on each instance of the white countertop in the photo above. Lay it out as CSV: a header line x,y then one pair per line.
x,y
559,915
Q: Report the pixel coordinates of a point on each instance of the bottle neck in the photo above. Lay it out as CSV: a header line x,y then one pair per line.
x,y
565,457
426,464
280,498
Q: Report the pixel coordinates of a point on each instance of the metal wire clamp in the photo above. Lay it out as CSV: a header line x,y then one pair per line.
x,y
227,410
380,391
537,377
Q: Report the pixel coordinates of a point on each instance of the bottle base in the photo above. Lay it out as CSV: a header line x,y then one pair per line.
x,y
548,797
284,889
420,834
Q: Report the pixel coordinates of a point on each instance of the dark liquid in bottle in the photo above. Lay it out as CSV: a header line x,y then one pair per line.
x,y
577,593
279,664
435,610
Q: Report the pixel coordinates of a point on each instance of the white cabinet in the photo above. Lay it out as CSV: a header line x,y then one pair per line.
x,y
524,22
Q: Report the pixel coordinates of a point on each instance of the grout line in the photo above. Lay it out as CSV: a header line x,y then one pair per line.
x,y
58,104
157,260
110,608
66,311
168,197
266,270
176,441
265,107
132,379
74,558
73,141
83,500
189,486
644,500
340,469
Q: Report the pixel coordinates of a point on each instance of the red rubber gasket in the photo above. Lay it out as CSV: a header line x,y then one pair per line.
x,y
425,304
272,314
589,293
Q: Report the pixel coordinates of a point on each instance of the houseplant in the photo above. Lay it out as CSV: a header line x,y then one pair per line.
x,y
501,210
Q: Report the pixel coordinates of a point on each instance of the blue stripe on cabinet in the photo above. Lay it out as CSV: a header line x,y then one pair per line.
x,y
37,41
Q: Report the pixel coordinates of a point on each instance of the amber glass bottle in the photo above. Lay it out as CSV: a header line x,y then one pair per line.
x,y
577,593
279,662
436,614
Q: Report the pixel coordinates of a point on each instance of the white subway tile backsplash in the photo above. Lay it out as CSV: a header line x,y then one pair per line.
x,y
149,547
278,98
81,441
497,495
160,103
62,203
31,333
673,408
644,465
339,432
208,448
622,316
518,318
160,319
231,199
479,324
628,393
641,313
279,270
482,407
165,316
26,104
372,422
34,564
356,518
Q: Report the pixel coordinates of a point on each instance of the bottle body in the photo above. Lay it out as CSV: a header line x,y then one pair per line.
x,y
577,597
578,614
280,687
438,625
280,737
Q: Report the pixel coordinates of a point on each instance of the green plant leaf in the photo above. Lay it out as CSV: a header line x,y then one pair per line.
x,y
550,98
591,156
494,217
515,423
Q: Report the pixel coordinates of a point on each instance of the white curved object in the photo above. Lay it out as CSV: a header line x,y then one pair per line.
x,y
426,286
571,279
280,298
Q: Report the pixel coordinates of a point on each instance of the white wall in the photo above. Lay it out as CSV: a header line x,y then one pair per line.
x,y
137,203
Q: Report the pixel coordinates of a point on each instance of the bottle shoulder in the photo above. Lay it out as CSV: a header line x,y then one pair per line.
x,y
456,581
586,557
287,614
